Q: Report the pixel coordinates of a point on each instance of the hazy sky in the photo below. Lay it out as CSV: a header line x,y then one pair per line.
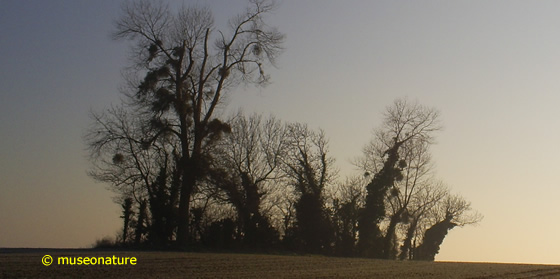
x,y
490,67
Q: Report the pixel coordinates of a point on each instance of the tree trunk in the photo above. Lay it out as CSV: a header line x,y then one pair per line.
x,y
189,165
406,251
389,237
187,186
433,238
371,241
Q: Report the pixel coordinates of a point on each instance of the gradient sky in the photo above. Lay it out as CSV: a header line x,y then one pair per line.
x,y
490,67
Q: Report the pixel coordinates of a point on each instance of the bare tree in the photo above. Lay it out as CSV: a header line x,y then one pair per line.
x,y
426,197
185,76
403,122
118,154
246,169
416,174
134,167
450,212
309,170
346,201
281,209
127,218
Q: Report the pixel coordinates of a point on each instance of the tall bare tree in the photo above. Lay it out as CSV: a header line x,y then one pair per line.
x,y
135,168
347,199
425,198
246,169
416,174
185,67
309,170
404,121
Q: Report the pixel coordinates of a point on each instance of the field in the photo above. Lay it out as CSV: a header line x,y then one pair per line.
x,y
26,263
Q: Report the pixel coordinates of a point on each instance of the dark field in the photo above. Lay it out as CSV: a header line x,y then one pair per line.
x,y
26,263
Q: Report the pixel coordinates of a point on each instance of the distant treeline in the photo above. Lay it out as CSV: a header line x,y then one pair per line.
x,y
186,178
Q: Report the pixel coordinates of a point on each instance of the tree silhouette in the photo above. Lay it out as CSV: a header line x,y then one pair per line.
x,y
426,197
127,217
450,212
347,200
246,169
184,79
403,122
140,230
135,169
433,238
309,169
416,177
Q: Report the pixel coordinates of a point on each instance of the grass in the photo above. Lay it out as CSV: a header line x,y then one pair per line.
x,y
26,263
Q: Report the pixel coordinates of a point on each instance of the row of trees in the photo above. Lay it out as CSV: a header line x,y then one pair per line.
x,y
186,178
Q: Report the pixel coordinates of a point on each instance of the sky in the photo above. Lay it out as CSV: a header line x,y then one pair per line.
x,y
490,67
